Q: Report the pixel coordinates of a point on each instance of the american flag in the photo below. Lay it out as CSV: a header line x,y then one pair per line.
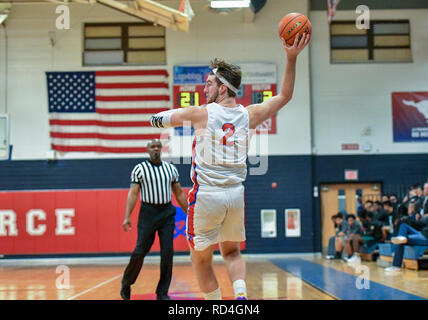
x,y
105,111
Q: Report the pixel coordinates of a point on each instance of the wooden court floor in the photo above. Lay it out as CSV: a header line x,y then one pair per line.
x,y
265,281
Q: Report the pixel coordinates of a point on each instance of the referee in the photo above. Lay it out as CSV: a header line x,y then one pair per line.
x,y
153,179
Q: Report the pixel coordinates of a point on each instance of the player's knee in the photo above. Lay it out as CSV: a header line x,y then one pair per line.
x,y
231,252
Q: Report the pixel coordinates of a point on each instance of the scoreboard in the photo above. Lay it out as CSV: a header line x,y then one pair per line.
x,y
258,84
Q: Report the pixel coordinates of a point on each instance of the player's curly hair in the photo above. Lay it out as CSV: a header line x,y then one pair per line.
x,y
230,72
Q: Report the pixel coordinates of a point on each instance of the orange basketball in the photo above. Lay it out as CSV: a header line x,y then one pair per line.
x,y
294,24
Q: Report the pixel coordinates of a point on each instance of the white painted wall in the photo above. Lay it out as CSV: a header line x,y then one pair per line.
x,y
211,35
347,98
2,69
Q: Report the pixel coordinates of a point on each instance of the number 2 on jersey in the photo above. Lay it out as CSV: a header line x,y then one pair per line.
x,y
230,130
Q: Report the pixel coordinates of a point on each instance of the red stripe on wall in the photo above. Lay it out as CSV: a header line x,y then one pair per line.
x,y
133,98
99,149
112,73
131,111
66,135
131,85
100,123
192,197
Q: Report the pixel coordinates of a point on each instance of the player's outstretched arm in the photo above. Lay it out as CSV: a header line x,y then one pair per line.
x,y
178,117
261,112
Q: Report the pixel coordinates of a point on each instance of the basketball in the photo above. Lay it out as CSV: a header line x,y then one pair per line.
x,y
294,24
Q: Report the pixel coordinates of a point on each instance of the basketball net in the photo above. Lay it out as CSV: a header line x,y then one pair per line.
x,y
331,9
186,9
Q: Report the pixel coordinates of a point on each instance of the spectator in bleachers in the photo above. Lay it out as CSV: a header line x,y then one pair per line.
x,y
393,198
352,231
368,206
377,208
424,207
411,211
384,215
372,234
388,222
402,207
384,198
337,242
410,197
406,236
418,198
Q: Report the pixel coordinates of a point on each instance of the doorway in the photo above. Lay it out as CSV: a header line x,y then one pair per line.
x,y
344,198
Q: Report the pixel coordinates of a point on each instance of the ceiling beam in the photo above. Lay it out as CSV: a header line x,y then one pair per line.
x,y
151,11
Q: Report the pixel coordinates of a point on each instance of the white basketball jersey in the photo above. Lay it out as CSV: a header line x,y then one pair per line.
x,y
220,151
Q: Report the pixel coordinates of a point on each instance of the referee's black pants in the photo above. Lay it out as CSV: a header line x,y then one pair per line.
x,y
152,218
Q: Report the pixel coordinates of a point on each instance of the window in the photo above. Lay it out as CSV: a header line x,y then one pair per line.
x,y
384,41
123,44
4,140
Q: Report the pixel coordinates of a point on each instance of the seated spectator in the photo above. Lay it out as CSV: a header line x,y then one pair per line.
x,y
406,236
382,214
424,206
336,243
411,211
372,234
377,207
368,206
384,198
393,198
418,198
411,196
388,221
352,231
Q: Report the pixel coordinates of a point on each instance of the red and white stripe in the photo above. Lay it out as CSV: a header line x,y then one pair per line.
x,y
125,100
192,197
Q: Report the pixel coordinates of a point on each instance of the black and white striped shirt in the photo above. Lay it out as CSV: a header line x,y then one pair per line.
x,y
155,181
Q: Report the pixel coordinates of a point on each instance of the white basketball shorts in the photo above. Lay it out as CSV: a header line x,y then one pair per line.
x,y
216,214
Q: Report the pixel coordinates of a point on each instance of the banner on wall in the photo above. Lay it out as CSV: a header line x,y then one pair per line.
x,y
258,84
410,116
74,221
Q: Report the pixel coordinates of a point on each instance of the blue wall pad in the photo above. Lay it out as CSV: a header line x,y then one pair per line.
x,y
340,284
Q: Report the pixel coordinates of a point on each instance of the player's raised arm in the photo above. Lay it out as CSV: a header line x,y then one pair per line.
x,y
178,117
261,112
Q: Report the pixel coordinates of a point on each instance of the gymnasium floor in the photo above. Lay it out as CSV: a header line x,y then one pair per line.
x,y
270,277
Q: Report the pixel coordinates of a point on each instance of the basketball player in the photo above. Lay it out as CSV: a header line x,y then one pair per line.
x,y
216,202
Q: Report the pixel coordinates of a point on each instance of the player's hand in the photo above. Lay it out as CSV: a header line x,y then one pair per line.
x,y
298,45
126,224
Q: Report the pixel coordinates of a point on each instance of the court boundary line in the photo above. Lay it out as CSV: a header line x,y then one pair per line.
x,y
329,268
305,281
123,260
94,287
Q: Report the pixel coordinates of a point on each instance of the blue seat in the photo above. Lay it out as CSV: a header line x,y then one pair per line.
x,y
368,248
414,252
385,249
